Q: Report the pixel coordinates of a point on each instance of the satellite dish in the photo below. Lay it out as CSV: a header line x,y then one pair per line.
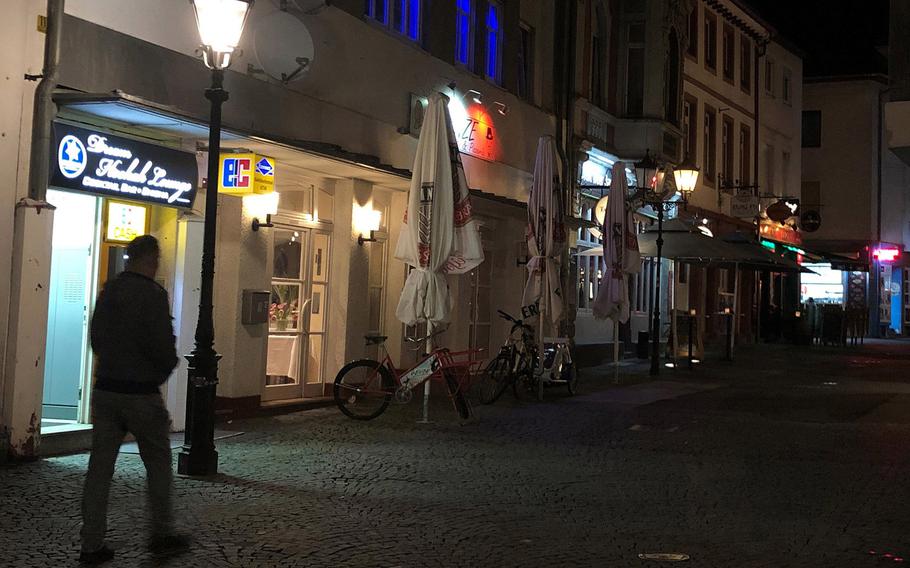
x,y
283,47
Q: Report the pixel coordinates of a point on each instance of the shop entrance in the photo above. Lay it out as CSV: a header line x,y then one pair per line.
x,y
297,314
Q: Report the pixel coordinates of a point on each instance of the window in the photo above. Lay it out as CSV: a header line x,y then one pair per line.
x,y
727,143
710,145
812,129
596,88
674,66
710,40
692,48
493,64
526,63
745,153
811,194
729,54
769,77
464,32
745,68
787,86
690,125
635,69
769,169
403,17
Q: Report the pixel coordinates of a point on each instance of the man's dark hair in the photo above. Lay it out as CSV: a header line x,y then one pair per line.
x,y
141,248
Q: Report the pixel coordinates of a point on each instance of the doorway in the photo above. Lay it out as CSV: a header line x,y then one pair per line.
x,y
297,313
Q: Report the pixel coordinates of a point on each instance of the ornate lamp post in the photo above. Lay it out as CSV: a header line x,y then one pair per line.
x,y
220,24
685,177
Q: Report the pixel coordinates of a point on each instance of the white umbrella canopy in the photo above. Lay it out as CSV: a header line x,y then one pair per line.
x,y
620,250
546,233
439,235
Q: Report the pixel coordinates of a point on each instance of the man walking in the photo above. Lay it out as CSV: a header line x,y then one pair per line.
x,y
133,339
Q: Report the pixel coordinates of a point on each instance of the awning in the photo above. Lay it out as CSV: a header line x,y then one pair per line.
x,y
120,111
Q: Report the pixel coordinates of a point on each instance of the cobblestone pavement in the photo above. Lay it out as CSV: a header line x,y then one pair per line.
x,y
787,457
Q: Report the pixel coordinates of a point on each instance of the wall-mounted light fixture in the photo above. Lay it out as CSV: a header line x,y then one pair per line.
x,y
501,108
261,205
366,221
475,96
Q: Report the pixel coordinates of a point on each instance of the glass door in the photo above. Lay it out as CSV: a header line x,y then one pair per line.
x,y
287,311
297,314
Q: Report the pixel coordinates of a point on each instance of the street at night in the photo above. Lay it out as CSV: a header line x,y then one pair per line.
x,y
788,457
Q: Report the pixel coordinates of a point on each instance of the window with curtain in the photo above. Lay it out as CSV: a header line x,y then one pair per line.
x,y
729,45
635,69
690,125
692,47
493,63
727,154
745,154
745,67
464,32
710,40
710,145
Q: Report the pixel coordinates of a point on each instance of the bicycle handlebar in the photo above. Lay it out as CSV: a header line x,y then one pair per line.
x,y
430,336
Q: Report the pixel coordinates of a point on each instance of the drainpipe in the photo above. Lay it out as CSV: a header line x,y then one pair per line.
x,y
44,108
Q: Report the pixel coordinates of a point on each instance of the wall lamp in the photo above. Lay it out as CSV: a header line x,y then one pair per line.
x,y
475,96
501,108
366,221
261,205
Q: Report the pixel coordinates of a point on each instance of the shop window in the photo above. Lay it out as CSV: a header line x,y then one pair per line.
x,y
403,16
526,63
493,46
812,129
745,65
464,32
635,69
710,41
692,47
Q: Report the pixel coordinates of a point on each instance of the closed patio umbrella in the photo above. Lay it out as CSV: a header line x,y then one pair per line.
x,y
439,235
546,235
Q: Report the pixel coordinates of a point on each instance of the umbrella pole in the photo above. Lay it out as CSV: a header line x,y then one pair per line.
x,y
426,385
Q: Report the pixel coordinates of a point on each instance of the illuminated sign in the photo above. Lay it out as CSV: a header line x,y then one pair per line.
x,y
125,221
97,162
475,132
768,245
245,174
780,233
886,254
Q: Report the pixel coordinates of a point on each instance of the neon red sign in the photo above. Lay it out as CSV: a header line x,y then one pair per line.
x,y
886,254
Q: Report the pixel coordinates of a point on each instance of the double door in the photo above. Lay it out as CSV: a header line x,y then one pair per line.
x,y
297,314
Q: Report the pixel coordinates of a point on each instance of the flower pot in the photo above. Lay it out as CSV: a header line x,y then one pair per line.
x,y
281,325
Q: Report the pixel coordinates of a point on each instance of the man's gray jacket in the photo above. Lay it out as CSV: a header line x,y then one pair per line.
x,y
132,335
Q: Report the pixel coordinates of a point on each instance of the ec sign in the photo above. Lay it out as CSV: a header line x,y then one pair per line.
x,y
246,174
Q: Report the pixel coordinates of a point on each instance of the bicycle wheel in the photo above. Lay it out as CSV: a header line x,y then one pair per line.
x,y
494,380
363,389
458,399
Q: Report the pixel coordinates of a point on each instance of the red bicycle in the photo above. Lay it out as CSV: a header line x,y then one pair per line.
x,y
364,388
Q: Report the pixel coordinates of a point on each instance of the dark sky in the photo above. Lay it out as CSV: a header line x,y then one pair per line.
x,y
839,37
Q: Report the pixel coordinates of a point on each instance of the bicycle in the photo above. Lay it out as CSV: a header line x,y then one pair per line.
x,y
518,365
513,365
364,388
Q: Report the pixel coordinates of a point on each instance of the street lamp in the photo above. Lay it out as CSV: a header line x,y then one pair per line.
x,y
220,24
652,193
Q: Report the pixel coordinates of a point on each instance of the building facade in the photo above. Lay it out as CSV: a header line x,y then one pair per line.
x,y
332,95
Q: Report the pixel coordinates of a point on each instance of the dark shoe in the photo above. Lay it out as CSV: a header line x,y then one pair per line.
x,y
100,556
174,543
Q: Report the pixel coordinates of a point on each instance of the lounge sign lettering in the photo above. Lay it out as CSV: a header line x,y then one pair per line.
x,y
108,165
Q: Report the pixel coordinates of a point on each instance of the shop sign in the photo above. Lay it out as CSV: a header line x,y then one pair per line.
x,y
810,221
100,163
783,210
780,233
886,253
246,174
125,221
744,206
475,132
